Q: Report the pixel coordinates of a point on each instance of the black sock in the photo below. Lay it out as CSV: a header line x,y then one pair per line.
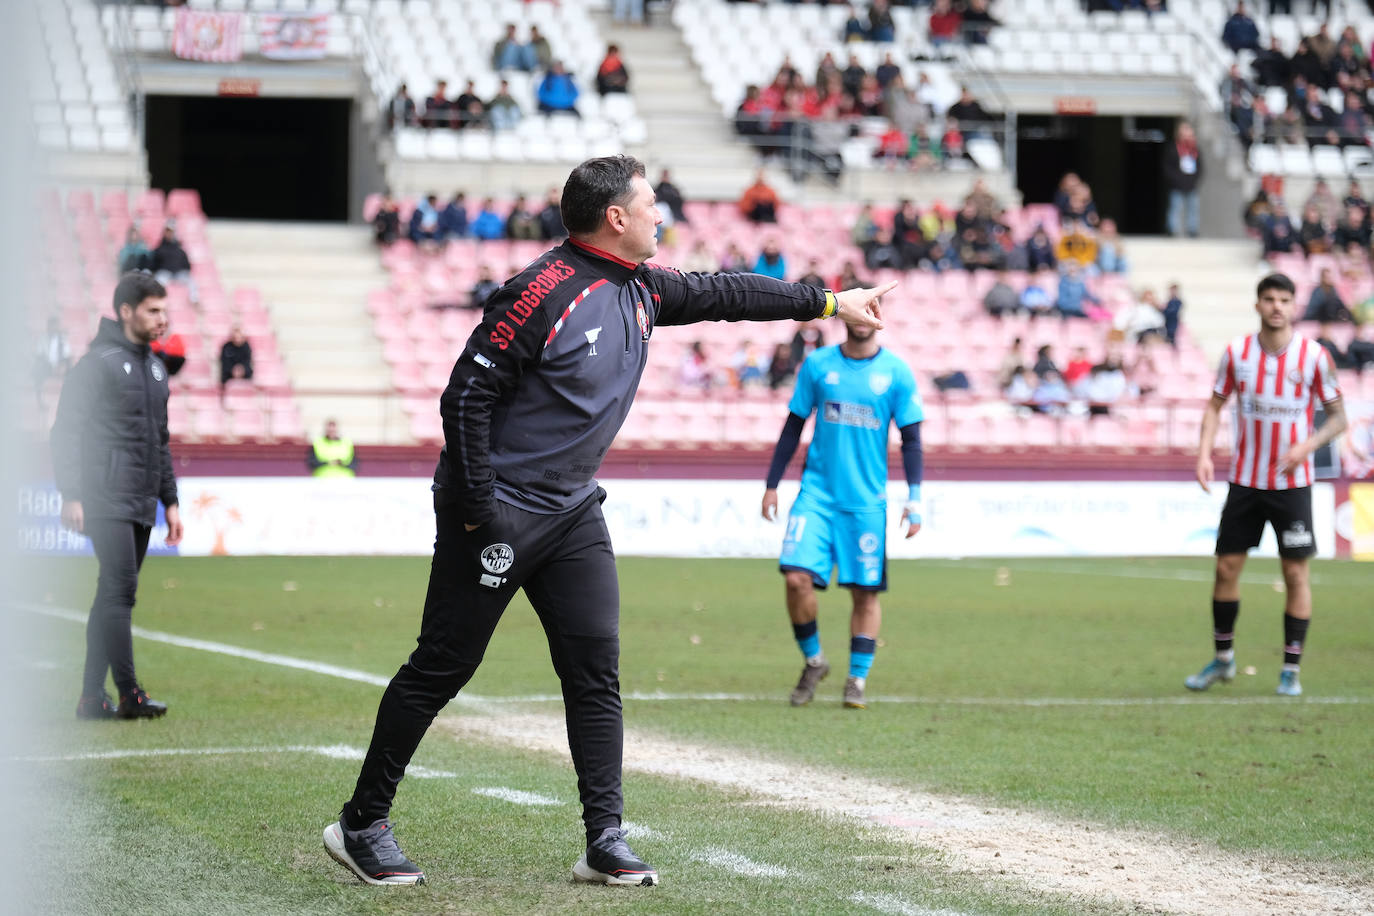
x,y
1294,635
1224,623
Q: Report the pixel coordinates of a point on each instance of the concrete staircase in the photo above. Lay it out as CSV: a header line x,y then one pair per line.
x,y
315,279
1216,279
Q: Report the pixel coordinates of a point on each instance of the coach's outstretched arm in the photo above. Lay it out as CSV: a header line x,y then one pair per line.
x,y
685,298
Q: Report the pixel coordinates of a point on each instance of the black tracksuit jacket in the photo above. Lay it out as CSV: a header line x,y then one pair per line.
x,y
109,443
547,378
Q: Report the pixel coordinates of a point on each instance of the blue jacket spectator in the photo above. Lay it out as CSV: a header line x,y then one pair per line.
x,y
488,224
424,222
511,54
557,91
771,263
1240,32
453,221
1073,293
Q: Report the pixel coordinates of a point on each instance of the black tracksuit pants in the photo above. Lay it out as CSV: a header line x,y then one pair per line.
x,y
120,546
566,567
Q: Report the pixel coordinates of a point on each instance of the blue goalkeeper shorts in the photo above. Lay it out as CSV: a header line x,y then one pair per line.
x,y
822,541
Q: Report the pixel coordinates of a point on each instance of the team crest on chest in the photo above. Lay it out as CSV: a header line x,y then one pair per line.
x,y
157,372
832,378
879,382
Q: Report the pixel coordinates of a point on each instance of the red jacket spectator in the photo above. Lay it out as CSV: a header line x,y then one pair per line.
x,y
945,22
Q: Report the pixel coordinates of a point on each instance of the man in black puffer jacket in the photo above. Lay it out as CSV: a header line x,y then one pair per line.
x,y
113,464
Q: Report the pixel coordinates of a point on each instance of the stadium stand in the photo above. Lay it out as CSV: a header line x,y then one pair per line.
x,y
81,236
79,99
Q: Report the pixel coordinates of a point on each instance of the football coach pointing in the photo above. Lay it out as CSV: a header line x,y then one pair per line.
x,y
112,463
534,401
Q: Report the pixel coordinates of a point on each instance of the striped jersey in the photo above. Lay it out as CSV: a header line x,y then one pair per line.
x,y
1275,397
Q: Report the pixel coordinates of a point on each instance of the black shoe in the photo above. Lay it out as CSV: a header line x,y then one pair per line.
x,y
610,860
95,706
371,853
138,705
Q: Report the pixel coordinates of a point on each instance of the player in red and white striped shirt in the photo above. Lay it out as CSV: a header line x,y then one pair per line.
x,y
1277,376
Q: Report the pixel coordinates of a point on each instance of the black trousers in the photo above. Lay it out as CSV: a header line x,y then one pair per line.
x,y
120,546
566,567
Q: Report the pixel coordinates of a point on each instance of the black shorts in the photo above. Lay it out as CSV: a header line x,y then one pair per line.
x,y
1246,511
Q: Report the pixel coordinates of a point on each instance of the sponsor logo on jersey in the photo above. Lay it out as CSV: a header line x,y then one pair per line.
x,y
497,558
592,335
868,542
860,416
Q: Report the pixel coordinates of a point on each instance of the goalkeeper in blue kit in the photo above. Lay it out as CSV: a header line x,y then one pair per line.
x,y
839,520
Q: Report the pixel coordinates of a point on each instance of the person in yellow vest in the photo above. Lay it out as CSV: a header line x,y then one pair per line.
x,y
331,455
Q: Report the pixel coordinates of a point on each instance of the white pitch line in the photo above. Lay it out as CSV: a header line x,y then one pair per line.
x,y
516,796
333,751
740,865
1112,572
886,903
1209,700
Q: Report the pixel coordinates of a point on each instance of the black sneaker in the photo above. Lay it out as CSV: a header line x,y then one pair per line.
x,y
610,860
95,706
371,854
138,705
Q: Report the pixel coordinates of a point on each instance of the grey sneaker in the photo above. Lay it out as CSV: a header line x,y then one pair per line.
x,y
854,694
610,860
811,675
371,854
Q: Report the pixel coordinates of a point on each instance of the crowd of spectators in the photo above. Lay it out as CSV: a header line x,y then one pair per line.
x,y
806,122
1039,384
1327,83
1327,225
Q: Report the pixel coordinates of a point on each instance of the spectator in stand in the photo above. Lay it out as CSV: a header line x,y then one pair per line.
x,y
854,29
1111,253
424,222
813,277
699,260
1073,292
781,367
1271,66
1107,385
1354,197
807,339
386,224
1242,114
438,109
1352,229
668,193
1324,46
543,52
1361,350
1352,124
53,358
881,28
759,203
849,278
551,226
628,11
1001,299
734,261
488,224
453,219
1076,372
1339,360
611,75
977,22
1182,172
1079,206
1318,119
1305,65
1328,208
1141,318
754,119
135,255
558,91
1240,32
171,349
1011,365
1051,395
1313,234
946,24
968,112
907,233
171,265
1020,388
1173,313
747,366
483,289
865,227
503,111
235,357
521,223
694,372
468,110
401,111
1040,250
771,262
511,54
332,454
1278,234
1037,298
852,76
888,71
1076,245
1044,361
882,253
1326,304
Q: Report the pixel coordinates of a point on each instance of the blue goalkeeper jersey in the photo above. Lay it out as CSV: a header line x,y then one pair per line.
x,y
854,401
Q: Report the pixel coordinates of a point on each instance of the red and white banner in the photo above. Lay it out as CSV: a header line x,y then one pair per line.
x,y
207,36
293,36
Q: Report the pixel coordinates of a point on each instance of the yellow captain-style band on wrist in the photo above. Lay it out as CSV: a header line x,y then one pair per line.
x,y
832,305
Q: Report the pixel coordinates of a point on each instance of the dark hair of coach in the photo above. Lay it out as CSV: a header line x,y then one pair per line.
x,y
133,288
595,185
